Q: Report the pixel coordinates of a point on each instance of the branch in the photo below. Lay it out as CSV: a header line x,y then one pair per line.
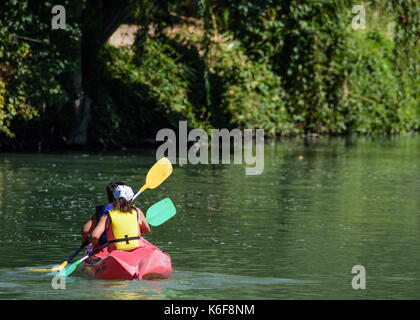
x,y
25,38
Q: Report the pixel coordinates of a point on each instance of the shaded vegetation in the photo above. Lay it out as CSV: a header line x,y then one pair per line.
x,y
289,67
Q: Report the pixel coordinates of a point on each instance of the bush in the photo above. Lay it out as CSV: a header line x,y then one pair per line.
x,y
371,88
253,95
245,93
36,65
143,94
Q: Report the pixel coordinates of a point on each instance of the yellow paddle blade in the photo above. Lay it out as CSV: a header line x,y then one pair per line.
x,y
40,270
157,174
60,267
56,269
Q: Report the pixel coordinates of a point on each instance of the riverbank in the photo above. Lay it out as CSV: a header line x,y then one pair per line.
x,y
151,145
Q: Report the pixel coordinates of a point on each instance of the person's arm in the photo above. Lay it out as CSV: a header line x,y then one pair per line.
x,y
88,227
100,228
144,226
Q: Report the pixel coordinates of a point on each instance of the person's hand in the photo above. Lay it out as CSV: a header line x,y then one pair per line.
x,y
95,245
84,243
85,236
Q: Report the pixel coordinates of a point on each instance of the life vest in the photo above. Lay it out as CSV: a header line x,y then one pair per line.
x,y
125,228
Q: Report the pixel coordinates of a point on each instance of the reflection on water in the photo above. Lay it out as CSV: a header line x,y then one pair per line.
x,y
294,232
182,285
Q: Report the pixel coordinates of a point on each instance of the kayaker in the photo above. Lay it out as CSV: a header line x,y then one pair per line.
x,y
124,223
99,212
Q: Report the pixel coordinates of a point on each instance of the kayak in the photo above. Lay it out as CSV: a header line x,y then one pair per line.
x,y
144,263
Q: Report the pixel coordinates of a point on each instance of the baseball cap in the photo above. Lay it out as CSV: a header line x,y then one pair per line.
x,y
123,191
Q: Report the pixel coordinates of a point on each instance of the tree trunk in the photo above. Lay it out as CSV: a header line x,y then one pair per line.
x,y
81,102
99,20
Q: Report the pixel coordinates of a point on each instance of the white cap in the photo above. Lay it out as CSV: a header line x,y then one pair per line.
x,y
123,191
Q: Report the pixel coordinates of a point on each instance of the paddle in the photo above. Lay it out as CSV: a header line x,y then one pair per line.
x,y
160,171
64,264
157,214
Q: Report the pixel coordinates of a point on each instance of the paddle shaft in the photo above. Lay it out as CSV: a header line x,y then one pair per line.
x,y
65,263
73,266
84,244
136,195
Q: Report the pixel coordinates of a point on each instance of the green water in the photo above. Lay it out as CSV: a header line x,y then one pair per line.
x,y
295,232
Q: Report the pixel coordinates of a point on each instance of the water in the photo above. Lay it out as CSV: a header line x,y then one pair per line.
x,y
294,232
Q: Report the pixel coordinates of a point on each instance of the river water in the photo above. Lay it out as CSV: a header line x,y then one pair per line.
x,y
294,232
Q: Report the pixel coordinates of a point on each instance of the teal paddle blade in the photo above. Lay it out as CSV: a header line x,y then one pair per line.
x,y
66,271
160,212
57,273
69,269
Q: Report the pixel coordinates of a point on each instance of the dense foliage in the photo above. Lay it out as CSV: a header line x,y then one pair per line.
x,y
289,67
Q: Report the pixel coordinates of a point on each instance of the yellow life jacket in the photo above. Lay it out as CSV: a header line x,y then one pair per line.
x,y
125,228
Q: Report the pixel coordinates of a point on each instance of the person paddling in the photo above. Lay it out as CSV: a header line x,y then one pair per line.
x,y
124,223
91,224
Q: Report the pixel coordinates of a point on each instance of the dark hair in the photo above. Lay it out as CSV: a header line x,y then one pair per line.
x,y
123,205
110,188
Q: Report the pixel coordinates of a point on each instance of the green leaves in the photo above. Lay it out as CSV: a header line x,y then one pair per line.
x,y
289,67
34,64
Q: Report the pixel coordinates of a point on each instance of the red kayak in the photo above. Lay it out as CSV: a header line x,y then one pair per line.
x,y
145,263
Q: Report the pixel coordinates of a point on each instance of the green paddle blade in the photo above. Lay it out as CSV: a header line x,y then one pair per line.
x,y
160,212
68,270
